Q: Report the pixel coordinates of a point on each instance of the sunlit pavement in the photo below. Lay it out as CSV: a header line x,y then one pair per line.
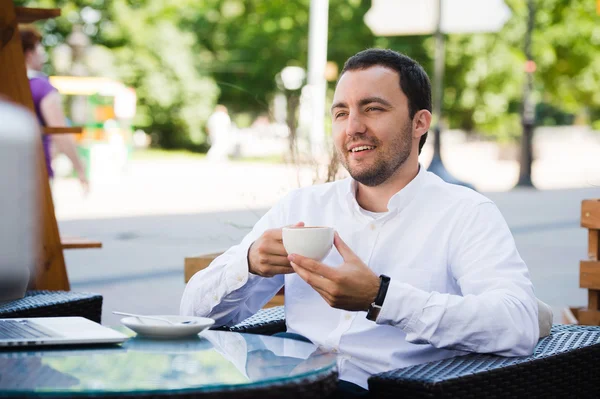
x,y
157,212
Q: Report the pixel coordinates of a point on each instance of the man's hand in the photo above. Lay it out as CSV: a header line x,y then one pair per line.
x,y
267,256
351,286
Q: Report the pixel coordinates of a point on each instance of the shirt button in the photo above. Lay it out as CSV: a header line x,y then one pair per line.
x,y
335,350
372,226
215,298
239,277
348,316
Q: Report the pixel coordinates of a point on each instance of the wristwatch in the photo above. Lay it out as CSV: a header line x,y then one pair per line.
x,y
375,307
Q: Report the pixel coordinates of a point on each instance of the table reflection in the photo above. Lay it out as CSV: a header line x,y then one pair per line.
x,y
212,360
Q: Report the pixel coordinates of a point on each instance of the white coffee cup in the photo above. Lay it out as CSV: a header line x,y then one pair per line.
x,y
311,242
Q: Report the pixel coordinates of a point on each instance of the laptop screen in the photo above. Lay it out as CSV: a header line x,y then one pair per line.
x,y
19,188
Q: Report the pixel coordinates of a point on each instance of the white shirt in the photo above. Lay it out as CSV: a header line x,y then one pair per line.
x,y
458,284
218,125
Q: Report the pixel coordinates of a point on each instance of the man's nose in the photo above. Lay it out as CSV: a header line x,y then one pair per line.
x,y
355,125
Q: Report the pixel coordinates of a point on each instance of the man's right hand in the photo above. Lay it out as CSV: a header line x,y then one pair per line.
x,y
267,256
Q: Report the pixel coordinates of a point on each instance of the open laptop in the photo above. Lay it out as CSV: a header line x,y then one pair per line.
x,y
19,135
56,331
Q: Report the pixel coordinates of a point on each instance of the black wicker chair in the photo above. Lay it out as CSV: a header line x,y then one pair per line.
x,y
564,364
54,304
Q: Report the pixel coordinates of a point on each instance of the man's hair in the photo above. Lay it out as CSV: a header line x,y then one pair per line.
x,y
414,82
30,38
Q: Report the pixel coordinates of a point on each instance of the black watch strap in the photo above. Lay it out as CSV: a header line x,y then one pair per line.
x,y
375,308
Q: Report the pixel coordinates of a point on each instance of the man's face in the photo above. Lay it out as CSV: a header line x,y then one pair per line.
x,y
372,130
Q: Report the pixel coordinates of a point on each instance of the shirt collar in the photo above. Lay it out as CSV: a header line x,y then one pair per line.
x,y
398,201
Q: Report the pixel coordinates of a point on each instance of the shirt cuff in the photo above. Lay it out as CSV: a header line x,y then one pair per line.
x,y
238,275
402,306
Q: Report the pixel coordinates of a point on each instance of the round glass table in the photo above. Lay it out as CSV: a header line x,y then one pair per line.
x,y
214,364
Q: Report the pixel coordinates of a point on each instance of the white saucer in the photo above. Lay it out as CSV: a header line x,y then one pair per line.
x,y
162,329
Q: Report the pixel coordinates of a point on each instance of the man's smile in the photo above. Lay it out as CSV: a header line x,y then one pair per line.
x,y
360,150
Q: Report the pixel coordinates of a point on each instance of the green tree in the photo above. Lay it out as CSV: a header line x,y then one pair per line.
x,y
182,56
485,72
149,51
251,41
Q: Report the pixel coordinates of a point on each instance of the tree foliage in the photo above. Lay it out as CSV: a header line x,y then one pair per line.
x,y
184,56
143,44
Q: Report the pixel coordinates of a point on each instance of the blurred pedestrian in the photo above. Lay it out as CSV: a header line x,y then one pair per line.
x,y
219,132
48,105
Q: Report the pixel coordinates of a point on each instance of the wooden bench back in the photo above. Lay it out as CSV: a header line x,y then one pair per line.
x,y
589,270
194,264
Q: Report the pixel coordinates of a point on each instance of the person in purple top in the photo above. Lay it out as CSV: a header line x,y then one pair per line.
x,y
48,104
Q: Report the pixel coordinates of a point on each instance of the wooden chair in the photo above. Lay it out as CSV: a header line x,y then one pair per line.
x,y
51,270
589,270
194,264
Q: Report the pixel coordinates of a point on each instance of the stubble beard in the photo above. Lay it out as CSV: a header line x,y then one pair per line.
x,y
387,161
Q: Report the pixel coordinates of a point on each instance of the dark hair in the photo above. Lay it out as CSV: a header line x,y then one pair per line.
x,y
30,38
414,82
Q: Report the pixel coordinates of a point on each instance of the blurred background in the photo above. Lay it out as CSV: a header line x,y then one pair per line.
x,y
200,115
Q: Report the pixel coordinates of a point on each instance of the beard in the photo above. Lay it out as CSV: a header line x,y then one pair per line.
x,y
387,161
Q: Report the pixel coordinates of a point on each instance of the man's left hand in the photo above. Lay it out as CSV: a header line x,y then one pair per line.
x,y
351,286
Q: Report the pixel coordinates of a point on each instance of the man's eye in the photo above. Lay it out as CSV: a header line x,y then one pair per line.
x,y
340,114
374,109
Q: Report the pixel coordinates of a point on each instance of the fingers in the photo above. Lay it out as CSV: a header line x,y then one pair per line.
x,y
270,271
275,260
318,282
276,234
270,247
342,248
267,256
313,266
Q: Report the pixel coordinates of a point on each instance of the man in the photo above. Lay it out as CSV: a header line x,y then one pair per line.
x,y
422,270
48,104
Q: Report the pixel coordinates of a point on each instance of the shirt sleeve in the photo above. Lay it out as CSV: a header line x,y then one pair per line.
x,y
226,291
497,311
40,88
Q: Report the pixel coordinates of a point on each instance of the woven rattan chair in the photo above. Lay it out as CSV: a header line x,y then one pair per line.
x,y
54,304
564,364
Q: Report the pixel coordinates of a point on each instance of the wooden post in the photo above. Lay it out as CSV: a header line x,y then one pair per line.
x,y
51,271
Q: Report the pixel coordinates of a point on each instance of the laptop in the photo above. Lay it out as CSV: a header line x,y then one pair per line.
x,y
19,135
56,331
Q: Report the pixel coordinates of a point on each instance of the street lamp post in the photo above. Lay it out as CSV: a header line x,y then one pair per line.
x,y
528,115
437,165
317,85
292,79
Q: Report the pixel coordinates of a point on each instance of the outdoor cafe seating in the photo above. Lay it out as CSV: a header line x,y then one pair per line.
x,y
564,364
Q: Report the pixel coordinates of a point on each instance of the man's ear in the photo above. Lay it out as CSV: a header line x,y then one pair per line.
x,y
421,123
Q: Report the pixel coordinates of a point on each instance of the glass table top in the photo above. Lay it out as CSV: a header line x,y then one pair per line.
x,y
211,361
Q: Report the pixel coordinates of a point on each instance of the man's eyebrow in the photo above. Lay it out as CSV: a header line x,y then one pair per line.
x,y
339,105
370,100
363,102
